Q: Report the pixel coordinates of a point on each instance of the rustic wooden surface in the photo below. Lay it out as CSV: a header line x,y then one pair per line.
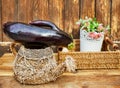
x,y
71,17
6,61
64,13
81,79
87,8
0,22
9,13
115,19
103,9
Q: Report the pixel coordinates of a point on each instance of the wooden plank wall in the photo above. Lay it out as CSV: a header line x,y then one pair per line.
x,y
64,13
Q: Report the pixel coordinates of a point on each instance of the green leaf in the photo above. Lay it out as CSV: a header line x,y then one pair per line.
x,y
94,19
92,25
71,46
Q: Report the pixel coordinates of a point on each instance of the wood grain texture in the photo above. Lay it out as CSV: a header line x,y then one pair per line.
x,y
82,79
9,13
87,8
115,22
6,62
1,21
56,12
72,9
40,10
103,11
64,13
25,10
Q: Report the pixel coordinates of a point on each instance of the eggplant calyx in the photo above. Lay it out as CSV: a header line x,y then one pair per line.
x,y
71,46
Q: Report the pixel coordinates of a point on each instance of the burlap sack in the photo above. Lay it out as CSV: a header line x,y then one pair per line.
x,y
38,66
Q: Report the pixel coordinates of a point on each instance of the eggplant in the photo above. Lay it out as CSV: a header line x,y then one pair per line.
x,y
44,23
32,36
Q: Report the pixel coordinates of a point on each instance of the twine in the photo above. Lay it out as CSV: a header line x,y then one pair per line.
x,y
37,66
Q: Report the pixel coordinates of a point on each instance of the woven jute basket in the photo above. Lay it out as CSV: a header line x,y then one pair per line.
x,y
38,66
34,66
94,60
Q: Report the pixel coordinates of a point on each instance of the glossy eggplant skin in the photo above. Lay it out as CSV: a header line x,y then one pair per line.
x,y
44,23
31,35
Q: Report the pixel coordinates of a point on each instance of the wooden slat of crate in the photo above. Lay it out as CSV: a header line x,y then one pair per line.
x,y
6,73
6,61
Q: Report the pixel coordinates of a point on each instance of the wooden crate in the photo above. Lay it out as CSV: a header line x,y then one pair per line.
x,y
6,61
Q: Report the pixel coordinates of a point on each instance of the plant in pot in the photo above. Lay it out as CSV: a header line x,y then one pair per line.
x,y
91,34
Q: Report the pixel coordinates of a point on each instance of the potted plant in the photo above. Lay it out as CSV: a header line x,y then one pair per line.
x,y
91,34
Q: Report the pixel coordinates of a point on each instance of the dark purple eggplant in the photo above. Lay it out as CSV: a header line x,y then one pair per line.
x,y
43,23
31,36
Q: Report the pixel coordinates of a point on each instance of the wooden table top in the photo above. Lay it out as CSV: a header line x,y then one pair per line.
x,y
81,79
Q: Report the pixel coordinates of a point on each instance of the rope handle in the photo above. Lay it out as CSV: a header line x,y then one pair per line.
x,y
111,43
13,49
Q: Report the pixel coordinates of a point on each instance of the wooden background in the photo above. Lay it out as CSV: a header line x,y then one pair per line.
x,y
64,13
